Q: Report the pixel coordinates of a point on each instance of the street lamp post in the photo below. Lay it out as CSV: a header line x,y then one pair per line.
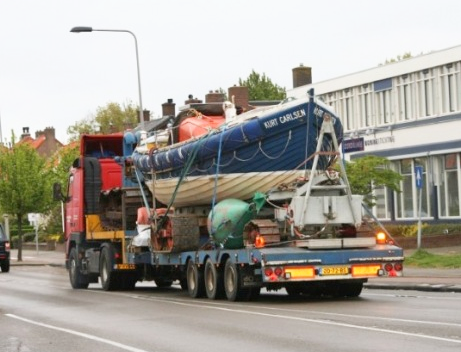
x,y
91,29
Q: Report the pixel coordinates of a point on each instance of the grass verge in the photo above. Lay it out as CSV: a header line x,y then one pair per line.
x,y
424,259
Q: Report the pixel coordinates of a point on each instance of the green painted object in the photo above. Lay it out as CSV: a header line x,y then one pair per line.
x,y
228,219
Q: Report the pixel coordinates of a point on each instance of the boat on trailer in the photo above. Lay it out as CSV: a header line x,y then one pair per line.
x,y
213,155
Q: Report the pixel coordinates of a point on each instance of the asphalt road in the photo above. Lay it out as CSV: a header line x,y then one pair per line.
x,y
40,312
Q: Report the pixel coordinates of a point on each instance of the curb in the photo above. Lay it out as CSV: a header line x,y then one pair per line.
x,y
38,264
415,287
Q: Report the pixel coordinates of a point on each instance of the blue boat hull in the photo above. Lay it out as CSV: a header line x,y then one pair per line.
x,y
281,139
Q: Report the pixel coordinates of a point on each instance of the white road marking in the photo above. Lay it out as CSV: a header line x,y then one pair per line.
x,y
80,334
235,304
316,321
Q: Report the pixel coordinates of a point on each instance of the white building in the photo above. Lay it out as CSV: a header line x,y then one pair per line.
x,y
410,113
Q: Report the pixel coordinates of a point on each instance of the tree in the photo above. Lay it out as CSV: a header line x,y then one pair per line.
x,y
108,119
369,173
60,163
25,184
260,87
116,118
85,126
398,58
62,160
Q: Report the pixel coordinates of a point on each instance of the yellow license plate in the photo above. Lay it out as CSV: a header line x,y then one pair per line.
x,y
334,270
125,266
366,270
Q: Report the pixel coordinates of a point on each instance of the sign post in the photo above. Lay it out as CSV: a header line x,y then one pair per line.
x,y
419,187
33,219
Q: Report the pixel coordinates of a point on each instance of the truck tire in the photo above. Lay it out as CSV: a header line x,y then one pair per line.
x,y
77,279
232,285
214,282
5,266
195,282
109,279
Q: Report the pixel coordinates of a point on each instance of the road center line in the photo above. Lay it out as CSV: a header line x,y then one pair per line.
x,y
80,334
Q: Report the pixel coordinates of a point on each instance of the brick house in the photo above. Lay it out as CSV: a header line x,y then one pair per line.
x,y
45,142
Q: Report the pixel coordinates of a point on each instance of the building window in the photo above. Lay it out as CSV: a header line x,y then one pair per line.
x,y
383,203
450,88
426,97
406,101
366,117
449,192
346,111
383,106
407,201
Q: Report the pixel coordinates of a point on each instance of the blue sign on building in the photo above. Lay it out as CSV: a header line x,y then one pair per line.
x,y
419,177
353,145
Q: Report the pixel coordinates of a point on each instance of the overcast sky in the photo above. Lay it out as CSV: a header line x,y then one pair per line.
x,y
50,77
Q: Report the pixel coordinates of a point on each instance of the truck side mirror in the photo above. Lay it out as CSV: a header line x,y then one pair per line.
x,y
57,192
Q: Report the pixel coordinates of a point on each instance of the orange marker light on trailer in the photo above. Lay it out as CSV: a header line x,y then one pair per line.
x,y
259,241
381,238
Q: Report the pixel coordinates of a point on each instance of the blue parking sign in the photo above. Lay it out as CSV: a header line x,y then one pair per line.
x,y
419,176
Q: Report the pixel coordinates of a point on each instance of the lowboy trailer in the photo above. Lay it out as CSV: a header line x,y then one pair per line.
x,y
307,238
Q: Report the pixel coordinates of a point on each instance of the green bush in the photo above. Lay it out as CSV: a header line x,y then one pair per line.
x,y
25,229
426,229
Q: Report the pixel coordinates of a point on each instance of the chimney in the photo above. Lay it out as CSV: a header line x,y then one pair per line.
x,y
214,97
192,100
302,76
145,115
49,133
25,132
168,108
240,97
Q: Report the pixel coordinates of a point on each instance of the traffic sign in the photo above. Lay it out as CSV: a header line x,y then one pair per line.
x,y
419,177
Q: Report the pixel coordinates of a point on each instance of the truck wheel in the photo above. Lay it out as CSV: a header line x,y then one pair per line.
x,y
214,284
77,279
109,279
5,266
195,282
232,284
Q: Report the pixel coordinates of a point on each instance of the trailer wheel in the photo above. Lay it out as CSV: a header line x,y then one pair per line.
x,y
77,279
232,284
214,283
109,279
195,282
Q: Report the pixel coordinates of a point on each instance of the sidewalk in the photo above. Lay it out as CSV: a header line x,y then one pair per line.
x,y
419,279
41,257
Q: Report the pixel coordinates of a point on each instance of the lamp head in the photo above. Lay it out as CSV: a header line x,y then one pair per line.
x,y
81,29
